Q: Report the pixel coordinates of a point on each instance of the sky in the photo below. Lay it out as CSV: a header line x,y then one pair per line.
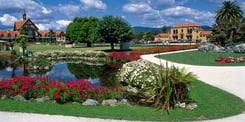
x,y
57,14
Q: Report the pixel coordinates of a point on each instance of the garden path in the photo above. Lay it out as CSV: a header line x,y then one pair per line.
x,y
228,78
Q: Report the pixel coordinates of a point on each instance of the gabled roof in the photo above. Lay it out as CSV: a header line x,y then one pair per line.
x,y
186,25
18,25
205,32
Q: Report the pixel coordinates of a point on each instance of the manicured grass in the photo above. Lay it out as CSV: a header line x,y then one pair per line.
x,y
212,103
81,47
201,58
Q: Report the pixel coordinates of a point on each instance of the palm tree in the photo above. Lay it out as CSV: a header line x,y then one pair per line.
x,y
228,19
229,13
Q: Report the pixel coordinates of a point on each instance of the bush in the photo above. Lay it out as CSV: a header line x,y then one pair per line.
x,y
211,48
161,87
239,48
138,74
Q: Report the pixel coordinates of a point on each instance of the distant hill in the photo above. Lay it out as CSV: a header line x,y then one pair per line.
x,y
206,28
138,29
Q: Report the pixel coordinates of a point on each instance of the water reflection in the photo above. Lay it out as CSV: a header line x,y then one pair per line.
x,y
96,75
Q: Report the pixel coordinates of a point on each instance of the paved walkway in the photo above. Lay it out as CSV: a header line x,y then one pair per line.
x,y
230,79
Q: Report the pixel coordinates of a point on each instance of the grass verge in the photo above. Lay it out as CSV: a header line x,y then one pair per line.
x,y
201,58
212,103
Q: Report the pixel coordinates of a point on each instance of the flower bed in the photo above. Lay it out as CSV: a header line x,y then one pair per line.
x,y
163,49
117,59
123,56
229,59
61,92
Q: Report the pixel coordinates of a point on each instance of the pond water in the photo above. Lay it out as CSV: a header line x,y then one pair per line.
x,y
94,74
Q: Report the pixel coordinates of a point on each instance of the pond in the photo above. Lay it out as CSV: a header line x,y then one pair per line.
x,y
95,74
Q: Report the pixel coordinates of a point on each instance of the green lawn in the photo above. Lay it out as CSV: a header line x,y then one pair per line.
x,y
212,103
80,47
201,58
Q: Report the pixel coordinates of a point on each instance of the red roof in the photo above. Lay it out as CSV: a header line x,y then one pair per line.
x,y
19,24
186,25
58,33
205,32
162,34
11,33
43,33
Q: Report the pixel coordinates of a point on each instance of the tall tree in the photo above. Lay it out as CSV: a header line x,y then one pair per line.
x,y
164,29
228,18
229,13
113,29
82,29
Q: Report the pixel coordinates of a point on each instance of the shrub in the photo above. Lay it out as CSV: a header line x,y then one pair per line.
x,y
211,48
239,48
161,87
138,73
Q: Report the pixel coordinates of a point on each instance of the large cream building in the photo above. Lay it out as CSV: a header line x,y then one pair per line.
x,y
190,32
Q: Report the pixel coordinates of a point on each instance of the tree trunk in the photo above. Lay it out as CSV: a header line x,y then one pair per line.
x,y
112,46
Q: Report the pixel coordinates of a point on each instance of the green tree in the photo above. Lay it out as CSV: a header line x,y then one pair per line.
x,y
23,45
227,27
148,36
113,29
83,29
164,29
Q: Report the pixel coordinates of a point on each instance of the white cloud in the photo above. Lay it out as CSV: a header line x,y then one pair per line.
x,y
54,25
63,23
33,8
93,5
185,14
140,8
7,20
46,11
69,9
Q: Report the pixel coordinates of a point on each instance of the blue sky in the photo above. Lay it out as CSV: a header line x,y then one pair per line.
x,y
57,14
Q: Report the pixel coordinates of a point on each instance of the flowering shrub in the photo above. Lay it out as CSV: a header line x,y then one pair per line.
x,y
229,59
163,49
138,73
123,56
62,92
